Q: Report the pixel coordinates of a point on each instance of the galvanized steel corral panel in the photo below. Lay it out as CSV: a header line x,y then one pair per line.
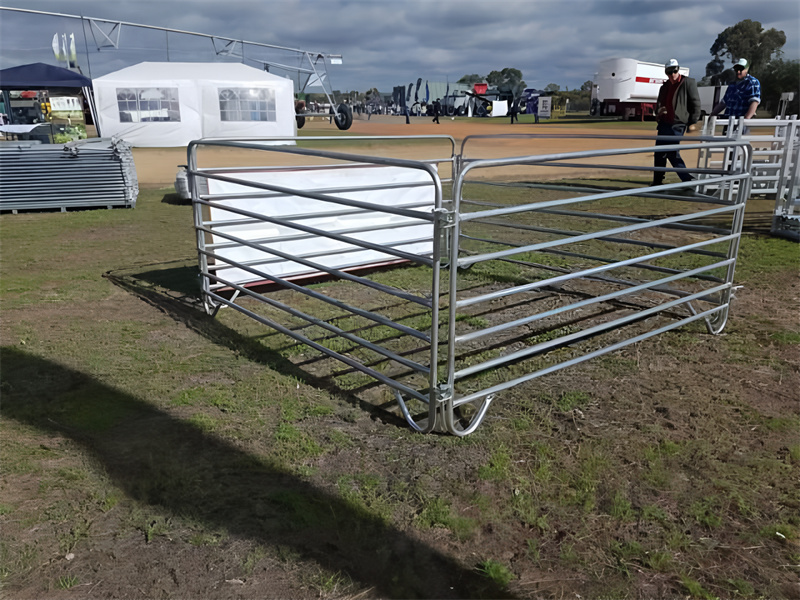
x,y
85,174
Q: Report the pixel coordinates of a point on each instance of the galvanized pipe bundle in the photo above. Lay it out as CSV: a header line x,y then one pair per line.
x,y
92,173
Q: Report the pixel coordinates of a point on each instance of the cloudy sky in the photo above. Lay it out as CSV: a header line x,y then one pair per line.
x,y
393,42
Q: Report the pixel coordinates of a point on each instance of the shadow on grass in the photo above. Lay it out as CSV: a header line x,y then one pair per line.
x,y
176,467
175,199
174,289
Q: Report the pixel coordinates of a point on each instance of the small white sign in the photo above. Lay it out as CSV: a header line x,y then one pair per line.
x,y
65,103
545,102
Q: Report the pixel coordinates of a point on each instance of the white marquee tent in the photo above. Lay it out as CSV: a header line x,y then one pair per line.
x,y
169,104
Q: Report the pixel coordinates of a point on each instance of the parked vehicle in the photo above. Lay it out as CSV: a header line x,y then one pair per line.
x,y
628,88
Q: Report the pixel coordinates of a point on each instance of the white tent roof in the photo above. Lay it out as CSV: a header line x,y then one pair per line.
x,y
170,104
190,71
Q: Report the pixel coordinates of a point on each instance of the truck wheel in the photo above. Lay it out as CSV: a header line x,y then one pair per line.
x,y
344,117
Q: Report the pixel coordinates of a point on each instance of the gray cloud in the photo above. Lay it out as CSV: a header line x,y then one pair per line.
x,y
387,43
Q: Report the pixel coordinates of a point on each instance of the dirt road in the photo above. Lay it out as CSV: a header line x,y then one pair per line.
x,y
156,167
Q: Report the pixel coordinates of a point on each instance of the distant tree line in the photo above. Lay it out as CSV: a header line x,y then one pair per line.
x,y
510,80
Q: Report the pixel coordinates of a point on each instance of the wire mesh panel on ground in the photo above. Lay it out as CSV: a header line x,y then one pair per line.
x,y
515,268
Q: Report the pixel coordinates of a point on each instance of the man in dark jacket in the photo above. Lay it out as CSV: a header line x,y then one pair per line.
x,y
678,110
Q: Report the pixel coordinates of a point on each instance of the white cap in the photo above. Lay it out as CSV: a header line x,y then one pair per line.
x,y
742,62
673,62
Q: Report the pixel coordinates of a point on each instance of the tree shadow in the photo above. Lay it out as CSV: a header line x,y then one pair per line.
x,y
173,465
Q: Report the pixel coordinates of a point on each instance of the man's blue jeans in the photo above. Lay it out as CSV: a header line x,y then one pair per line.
x,y
660,158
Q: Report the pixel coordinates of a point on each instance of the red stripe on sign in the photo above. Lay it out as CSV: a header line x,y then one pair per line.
x,y
649,80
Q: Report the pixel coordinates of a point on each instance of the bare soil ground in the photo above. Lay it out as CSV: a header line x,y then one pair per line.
x,y
150,451
156,167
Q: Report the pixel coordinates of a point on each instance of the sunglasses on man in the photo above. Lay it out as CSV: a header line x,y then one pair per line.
x,y
737,68
671,70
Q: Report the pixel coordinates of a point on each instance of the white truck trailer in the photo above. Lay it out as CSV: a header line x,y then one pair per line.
x,y
628,88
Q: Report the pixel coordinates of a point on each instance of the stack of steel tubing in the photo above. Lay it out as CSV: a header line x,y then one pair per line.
x,y
96,173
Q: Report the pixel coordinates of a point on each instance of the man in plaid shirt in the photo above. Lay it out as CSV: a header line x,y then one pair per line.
x,y
743,97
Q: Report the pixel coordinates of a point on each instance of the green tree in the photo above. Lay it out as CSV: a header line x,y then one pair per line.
x,y
780,76
552,87
714,67
508,77
747,39
470,79
579,100
587,86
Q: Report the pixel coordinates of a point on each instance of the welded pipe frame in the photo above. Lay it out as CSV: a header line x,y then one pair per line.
x,y
440,397
216,300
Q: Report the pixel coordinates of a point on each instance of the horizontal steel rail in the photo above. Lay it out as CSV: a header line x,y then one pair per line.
x,y
314,265
328,234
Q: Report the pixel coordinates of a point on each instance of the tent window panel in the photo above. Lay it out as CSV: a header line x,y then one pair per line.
x,y
137,105
247,104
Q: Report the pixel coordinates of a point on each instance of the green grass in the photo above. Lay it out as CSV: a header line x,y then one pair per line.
x,y
129,423
571,400
67,581
438,512
497,572
695,589
499,466
760,256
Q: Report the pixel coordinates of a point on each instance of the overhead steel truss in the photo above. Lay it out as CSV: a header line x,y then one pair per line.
x,y
106,33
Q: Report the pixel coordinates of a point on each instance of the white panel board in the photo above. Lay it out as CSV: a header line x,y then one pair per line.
x,y
400,232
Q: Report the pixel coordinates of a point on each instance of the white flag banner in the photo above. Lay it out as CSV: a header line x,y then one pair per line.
x,y
73,53
59,54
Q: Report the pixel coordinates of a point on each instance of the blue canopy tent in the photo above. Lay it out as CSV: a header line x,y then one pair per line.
x,y
39,76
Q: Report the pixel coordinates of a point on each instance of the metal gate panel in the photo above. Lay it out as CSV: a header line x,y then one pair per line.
x,y
786,219
334,214
775,164
773,142
529,267
582,276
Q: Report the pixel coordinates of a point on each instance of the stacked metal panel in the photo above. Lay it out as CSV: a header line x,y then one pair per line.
x,y
94,173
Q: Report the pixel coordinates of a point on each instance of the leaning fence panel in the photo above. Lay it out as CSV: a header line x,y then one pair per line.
x,y
453,278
